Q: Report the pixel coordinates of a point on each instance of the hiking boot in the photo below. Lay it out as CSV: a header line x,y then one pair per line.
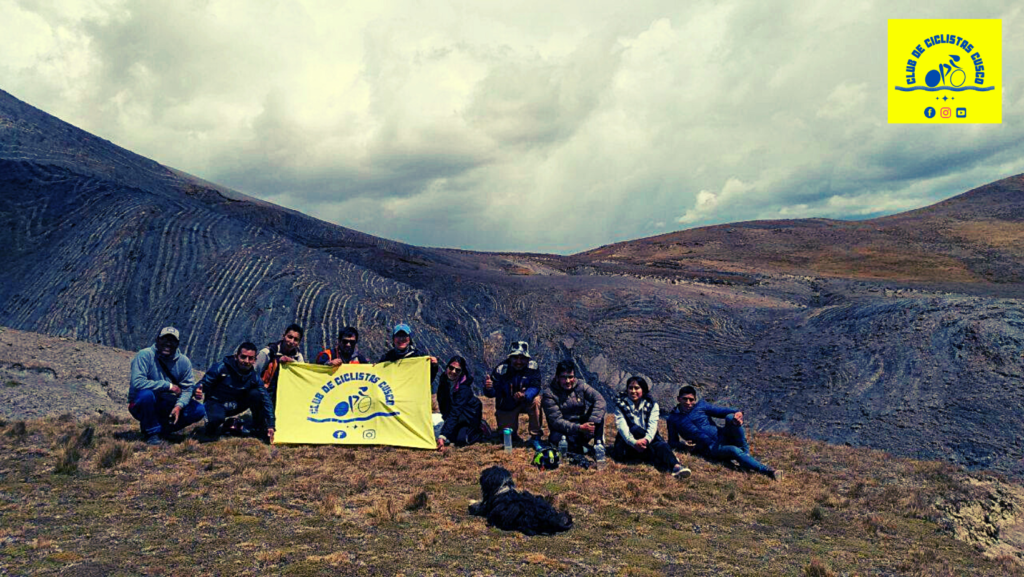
x,y
680,472
155,440
775,474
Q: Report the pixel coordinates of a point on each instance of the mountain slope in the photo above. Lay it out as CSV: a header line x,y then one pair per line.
x,y
804,324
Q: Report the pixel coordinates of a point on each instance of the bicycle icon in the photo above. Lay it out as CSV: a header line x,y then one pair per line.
x,y
946,73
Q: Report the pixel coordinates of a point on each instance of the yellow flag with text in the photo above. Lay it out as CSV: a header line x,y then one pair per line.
x,y
381,404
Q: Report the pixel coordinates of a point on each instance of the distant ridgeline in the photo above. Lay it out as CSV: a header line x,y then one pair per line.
x,y
805,325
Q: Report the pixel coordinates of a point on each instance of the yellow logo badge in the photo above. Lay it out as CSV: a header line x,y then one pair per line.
x,y
945,71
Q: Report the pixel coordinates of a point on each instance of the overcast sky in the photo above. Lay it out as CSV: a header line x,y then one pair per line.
x,y
526,126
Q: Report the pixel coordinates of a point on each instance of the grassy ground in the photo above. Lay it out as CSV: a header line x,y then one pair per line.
x,y
111,505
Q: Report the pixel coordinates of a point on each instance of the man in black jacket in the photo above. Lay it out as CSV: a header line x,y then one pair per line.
x,y
232,386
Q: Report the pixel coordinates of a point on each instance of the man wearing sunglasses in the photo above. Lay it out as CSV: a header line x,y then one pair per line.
x,y
515,386
346,352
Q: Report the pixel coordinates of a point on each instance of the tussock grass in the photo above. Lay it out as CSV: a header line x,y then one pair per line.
x,y
17,431
112,454
237,506
67,458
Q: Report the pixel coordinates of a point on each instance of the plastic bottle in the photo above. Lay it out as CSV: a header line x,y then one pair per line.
x,y
563,447
508,440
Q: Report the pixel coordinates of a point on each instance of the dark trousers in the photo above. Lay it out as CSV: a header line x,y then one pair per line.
x,y
658,453
732,446
466,435
217,410
578,440
152,410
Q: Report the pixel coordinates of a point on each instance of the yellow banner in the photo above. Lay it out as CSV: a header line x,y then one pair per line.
x,y
945,71
382,404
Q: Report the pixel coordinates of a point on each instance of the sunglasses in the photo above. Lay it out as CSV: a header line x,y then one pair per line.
x,y
454,369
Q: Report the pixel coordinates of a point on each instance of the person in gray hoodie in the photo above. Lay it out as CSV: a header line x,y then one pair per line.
x,y
160,393
231,386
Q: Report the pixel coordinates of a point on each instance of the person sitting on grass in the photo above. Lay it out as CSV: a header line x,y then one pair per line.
x,y
637,425
575,411
691,423
160,393
461,409
231,386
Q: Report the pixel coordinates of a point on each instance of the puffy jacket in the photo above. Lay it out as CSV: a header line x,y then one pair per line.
x,y
508,381
696,425
225,382
149,372
567,410
458,404
638,420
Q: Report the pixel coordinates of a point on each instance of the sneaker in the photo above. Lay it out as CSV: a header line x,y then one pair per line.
x,y
599,455
680,472
154,440
775,474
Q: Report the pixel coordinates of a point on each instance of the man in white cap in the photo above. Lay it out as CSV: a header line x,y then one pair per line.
x,y
160,394
515,385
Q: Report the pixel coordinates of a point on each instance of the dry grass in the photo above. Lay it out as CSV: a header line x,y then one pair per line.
x,y
239,507
113,454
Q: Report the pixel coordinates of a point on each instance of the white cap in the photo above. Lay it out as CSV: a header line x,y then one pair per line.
x,y
170,331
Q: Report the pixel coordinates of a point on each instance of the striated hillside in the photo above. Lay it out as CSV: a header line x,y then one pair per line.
x,y
902,333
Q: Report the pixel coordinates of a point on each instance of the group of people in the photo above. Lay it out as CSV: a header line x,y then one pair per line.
x,y
164,397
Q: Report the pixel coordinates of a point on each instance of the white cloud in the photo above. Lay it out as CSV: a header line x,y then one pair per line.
x,y
517,127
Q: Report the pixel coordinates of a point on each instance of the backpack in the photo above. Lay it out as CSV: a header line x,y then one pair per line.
x,y
272,365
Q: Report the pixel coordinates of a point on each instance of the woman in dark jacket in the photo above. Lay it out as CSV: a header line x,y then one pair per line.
x,y
637,424
461,410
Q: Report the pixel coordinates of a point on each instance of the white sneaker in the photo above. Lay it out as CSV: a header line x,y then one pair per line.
x,y
680,472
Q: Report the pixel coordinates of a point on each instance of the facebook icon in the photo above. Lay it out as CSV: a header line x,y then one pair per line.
x,y
929,112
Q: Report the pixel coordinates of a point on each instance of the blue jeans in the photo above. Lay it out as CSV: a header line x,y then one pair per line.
x,y
153,411
732,446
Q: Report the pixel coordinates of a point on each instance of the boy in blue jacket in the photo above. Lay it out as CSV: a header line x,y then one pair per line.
x,y
691,422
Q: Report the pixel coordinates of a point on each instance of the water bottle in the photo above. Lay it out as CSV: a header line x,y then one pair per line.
x,y
563,447
508,440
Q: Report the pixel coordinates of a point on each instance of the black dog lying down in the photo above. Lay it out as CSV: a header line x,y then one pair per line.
x,y
511,510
